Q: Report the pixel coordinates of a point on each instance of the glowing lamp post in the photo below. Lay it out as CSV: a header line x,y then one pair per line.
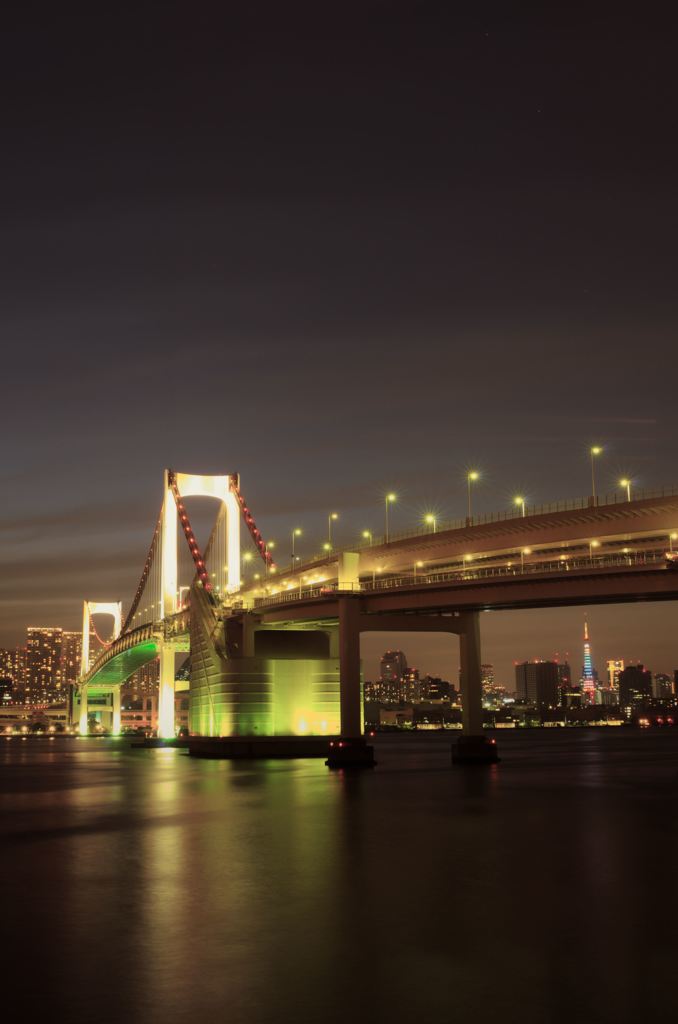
x,y
367,535
417,565
332,518
388,500
327,548
471,478
523,552
592,545
520,502
431,521
672,537
595,451
627,484
295,533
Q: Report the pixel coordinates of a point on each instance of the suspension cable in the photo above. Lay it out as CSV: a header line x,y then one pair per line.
x,y
250,523
148,564
104,643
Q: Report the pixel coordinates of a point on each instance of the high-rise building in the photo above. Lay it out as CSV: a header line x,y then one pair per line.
x,y
662,687
588,676
537,683
411,687
564,675
144,682
393,669
434,689
635,684
607,695
487,677
6,674
7,663
20,673
44,673
614,667
71,653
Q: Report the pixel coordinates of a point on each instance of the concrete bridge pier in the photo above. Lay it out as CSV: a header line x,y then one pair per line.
x,y
473,747
166,726
350,750
116,724
84,717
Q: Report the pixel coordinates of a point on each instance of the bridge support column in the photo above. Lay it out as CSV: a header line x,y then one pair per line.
x,y
117,718
83,711
350,751
473,747
166,692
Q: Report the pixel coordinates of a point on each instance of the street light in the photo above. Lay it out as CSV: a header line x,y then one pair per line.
x,y
430,519
367,535
295,533
672,537
595,451
593,544
520,502
247,557
388,500
270,545
627,484
471,477
417,565
327,548
332,517
523,552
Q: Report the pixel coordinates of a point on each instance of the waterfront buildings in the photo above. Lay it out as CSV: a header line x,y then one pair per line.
x,y
635,685
615,666
392,672
662,686
45,677
537,683
71,656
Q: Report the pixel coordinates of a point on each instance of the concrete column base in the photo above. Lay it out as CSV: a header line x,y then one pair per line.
x,y
475,750
350,753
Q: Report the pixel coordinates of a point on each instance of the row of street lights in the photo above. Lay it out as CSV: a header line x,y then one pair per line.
x,y
431,519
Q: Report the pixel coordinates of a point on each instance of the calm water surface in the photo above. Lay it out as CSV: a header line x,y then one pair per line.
x,y
145,886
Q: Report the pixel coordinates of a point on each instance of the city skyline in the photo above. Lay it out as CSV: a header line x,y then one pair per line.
x,y
437,656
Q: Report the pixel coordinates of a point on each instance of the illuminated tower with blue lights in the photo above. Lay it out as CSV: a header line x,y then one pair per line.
x,y
588,679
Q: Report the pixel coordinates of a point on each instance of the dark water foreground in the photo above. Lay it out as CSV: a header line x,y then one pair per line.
x,y
146,886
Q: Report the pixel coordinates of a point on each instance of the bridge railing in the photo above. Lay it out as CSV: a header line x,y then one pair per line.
x,y
603,501
401,581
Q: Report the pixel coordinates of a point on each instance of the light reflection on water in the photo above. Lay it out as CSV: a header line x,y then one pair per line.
x,y
145,885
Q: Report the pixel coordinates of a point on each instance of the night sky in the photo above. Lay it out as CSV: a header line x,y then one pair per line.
x,y
340,249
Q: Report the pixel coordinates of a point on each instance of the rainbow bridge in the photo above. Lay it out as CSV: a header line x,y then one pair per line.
x,y
279,655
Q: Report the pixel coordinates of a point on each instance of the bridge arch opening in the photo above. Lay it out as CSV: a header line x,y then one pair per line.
x,y
204,486
91,608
